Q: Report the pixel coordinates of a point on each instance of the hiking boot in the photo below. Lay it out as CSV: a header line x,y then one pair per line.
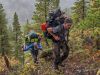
x,y
35,61
55,67
62,65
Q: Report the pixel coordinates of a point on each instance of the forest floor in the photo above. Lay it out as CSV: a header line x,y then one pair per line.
x,y
76,64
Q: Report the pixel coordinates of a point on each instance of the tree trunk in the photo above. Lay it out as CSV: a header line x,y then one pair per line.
x,y
7,62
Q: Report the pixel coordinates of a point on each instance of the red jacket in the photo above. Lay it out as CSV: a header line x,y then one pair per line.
x,y
43,27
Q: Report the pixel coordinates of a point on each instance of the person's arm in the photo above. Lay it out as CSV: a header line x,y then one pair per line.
x,y
55,36
55,29
27,47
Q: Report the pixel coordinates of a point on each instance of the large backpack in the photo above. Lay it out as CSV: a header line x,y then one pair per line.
x,y
52,22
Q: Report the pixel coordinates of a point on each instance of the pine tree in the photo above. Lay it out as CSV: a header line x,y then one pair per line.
x,y
26,27
42,9
17,35
93,14
16,28
4,38
79,10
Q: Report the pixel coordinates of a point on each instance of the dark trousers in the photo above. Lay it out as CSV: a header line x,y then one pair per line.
x,y
34,54
61,51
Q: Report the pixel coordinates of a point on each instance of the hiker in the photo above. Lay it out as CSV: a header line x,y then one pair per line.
x,y
58,34
60,42
33,43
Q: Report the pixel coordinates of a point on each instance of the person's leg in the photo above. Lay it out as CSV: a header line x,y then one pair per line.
x,y
34,55
39,46
65,52
56,53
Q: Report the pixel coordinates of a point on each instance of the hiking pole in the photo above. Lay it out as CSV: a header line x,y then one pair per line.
x,y
45,39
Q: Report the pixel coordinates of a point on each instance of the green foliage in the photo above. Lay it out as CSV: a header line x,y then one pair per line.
x,y
16,27
79,10
42,9
90,22
85,20
17,37
4,38
92,15
26,27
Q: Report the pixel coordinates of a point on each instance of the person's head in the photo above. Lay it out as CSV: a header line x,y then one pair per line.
x,y
67,23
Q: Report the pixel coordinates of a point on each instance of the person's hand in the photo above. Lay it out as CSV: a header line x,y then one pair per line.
x,y
50,29
56,38
22,48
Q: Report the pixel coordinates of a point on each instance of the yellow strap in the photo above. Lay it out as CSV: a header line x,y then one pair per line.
x,y
34,40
